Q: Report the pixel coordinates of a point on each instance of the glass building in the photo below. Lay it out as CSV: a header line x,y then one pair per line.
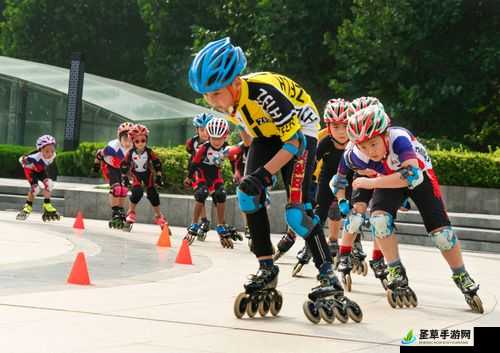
x,y
33,100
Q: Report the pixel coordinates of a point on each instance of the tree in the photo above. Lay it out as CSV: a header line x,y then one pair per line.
x,y
111,34
434,64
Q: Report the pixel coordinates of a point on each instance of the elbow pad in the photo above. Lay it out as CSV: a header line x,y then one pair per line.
x,y
413,175
337,183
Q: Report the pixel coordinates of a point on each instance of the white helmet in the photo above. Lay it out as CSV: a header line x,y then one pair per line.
x,y
218,127
45,140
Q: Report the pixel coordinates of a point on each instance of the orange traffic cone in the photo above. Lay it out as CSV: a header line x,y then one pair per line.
x,y
79,273
184,255
164,239
79,221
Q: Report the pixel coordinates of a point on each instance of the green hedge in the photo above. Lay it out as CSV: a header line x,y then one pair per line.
x,y
453,167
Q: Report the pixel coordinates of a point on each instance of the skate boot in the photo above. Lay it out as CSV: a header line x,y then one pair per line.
x,y
260,294
399,294
285,243
117,218
327,302
303,257
129,221
469,288
359,264
192,233
334,250
203,229
380,271
345,268
25,212
50,213
225,235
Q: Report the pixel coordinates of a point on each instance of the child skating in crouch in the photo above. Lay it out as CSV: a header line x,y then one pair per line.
x,y
196,227
206,166
404,169
351,254
145,168
283,121
112,157
35,165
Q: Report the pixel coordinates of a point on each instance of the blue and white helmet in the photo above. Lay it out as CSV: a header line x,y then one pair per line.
x,y
45,140
202,119
216,66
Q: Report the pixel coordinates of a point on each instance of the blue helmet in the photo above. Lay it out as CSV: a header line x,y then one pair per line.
x,y
216,66
202,119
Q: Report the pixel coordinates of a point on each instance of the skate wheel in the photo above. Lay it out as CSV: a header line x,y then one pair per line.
x,y
341,316
412,297
128,227
296,269
264,306
384,283
355,313
327,314
406,300
252,308
476,304
311,312
347,280
399,301
240,305
277,255
276,303
365,269
391,298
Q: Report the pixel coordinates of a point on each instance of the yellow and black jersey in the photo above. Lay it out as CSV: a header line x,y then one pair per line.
x,y
274,105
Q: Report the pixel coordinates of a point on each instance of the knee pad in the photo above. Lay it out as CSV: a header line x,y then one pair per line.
x,y
136,196
334,212
116,190
299,221
35,189
153,197
251,195
48,184
219,195
382,225
123,191
353,222
201,194
444,239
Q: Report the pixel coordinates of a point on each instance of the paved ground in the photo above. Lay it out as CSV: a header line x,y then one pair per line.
x,y
140,301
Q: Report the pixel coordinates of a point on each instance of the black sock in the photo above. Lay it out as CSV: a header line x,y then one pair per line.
x,y
46,200
29,202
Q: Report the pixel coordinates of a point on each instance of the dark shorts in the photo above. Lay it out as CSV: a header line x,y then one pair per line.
x,y
426,196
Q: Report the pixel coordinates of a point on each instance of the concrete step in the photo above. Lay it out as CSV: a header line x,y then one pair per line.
x,y
473,234
15,202
467,220
23,190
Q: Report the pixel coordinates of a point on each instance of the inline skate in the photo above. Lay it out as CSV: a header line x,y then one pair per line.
x,y
118,218
380,271
303,257
327,302
469,289
203,229
49,212
192,233
25,212
399,294
285,243
129,221
359,264
345,268
260,294
334,250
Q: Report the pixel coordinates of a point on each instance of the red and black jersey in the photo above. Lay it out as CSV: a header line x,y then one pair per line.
x,y
140,162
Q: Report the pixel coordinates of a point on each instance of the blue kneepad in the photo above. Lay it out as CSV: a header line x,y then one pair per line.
x,y
299,221
248,203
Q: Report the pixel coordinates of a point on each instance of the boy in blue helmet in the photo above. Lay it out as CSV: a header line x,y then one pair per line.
x,y
282,120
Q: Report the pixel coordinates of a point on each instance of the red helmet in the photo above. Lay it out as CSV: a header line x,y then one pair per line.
x,y
362,103
336,111
124,127
138,130
367,123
